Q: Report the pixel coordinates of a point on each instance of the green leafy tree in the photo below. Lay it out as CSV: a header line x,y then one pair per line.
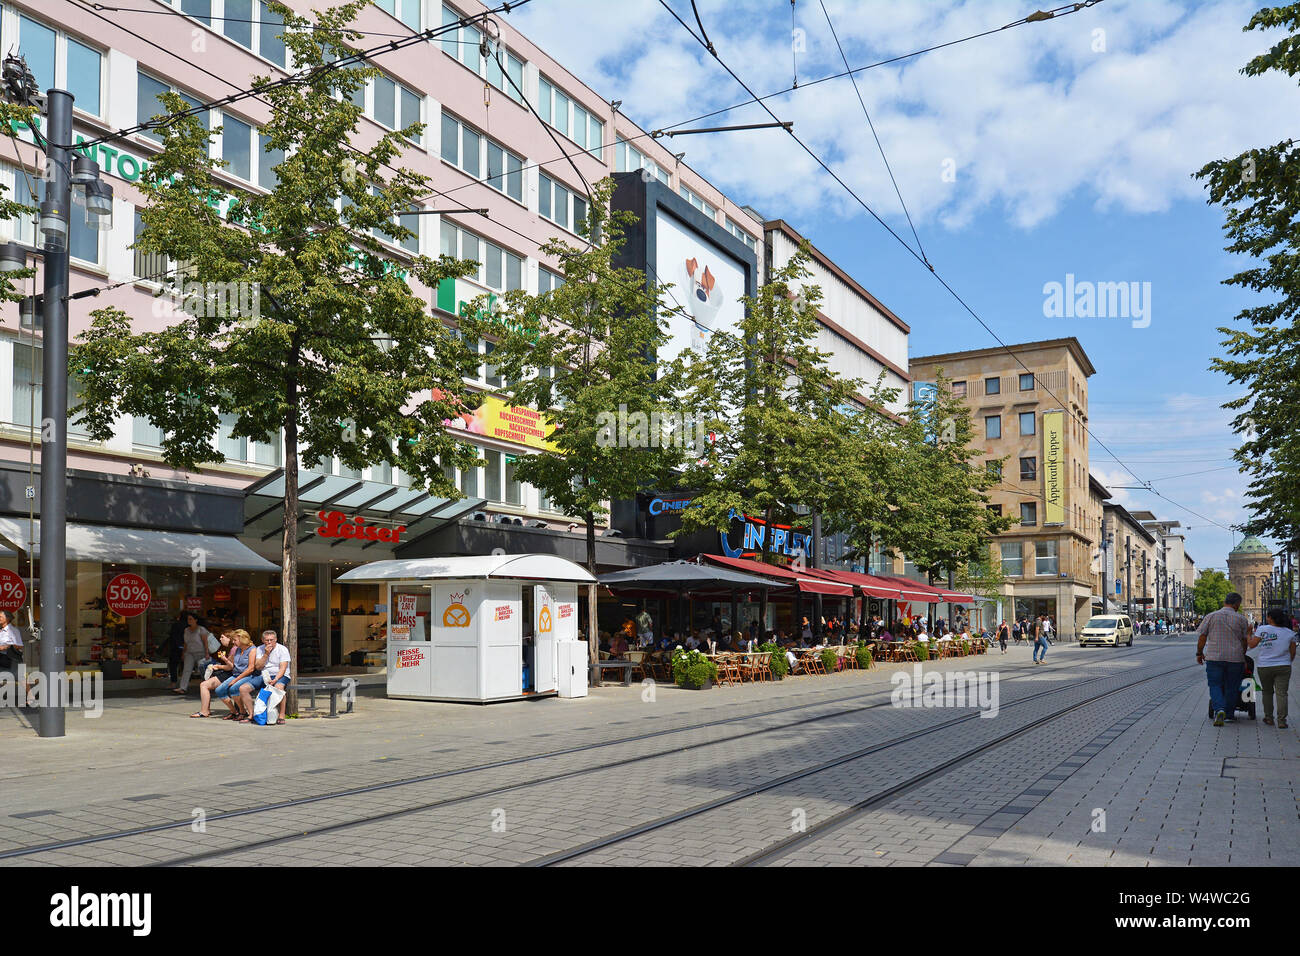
x,y
12,116
783,419
583,355
338,352
1209,591
1257,190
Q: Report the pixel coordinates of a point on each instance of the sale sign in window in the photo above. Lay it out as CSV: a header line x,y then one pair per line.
x,y
128,595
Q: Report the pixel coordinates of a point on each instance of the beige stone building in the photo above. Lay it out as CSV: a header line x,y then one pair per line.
x,y
1135,561
1034,415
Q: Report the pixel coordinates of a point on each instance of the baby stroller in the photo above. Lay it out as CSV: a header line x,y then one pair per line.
x,y
1246,695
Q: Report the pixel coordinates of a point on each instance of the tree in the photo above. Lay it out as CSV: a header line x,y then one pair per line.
x,y
1261,206
583,355
928,494
1209,591
781,417
329,345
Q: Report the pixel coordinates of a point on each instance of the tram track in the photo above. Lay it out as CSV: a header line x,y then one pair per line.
x,y
866,805
300,802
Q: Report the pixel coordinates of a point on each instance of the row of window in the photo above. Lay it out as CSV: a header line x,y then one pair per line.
x,y
566,117
61,62
463,44
993,425
483,158
498,268
1046,558
993,385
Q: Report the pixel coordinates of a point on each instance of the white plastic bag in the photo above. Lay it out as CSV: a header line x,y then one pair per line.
x,y
266,707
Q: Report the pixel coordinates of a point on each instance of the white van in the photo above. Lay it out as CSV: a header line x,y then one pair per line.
x,y
1109,629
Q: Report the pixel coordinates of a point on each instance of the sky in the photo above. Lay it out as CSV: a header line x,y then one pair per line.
x,y
1054,149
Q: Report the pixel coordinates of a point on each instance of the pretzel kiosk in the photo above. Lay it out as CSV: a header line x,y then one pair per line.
x,y
481,628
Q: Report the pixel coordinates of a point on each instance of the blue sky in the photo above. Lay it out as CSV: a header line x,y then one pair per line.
x,y
1073,144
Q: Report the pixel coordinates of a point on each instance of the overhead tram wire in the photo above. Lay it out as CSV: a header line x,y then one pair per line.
x,y
1032,18
879,145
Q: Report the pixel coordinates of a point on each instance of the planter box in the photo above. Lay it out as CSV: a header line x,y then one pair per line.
x,y
708,684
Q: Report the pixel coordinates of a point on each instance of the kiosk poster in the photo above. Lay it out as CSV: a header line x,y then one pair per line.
x,y
409,657
400,632
406,604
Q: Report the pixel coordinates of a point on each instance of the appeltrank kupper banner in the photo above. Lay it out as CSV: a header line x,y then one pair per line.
x,y
1053,468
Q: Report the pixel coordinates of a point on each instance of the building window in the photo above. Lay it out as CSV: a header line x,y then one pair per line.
x,y
235,449
1027,381
734,228
560,205
408,11
28,374
391,105
481,157
255,27
993,386
1028,469
499,268
1028,513
1012,559
1027,423
462,45
996,509
992,426
59,61
236,147
958,389
1046,560
994,468
547,280
698,201
147,105
560,111
629,159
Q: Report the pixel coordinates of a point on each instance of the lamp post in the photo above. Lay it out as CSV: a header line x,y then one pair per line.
x,y
67,178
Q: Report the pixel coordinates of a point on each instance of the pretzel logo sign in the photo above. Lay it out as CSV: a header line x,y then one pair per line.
x,y
544,620
457,614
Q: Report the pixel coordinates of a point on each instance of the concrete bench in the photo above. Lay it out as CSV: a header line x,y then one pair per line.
x,y
327,686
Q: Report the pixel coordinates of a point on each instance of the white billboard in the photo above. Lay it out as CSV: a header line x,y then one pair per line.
x,y
706,282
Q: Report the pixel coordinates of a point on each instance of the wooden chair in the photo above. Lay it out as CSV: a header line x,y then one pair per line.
x,y
641,670
760,668
728,672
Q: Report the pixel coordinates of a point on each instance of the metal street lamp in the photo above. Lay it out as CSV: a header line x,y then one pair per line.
x,y
67,178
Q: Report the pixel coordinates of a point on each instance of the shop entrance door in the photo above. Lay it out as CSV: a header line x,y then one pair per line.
x,y
544,630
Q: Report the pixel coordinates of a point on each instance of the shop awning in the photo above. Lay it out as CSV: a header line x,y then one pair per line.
x,y
531,567
171,549
685,576
868,584
915,591
381,503
785,577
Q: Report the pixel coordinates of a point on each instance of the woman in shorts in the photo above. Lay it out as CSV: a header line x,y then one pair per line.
x,y
244,660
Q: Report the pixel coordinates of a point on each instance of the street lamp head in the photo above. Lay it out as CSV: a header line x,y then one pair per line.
x,y
54,226
99,205
31,312
84,171
13,257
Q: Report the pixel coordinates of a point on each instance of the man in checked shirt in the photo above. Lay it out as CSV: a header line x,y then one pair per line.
x,y
1221,647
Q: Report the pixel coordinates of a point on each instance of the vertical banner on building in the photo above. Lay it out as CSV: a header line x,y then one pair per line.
x,y
1053,468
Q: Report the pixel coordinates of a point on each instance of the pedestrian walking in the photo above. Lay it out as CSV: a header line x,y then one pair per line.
x,y
1040,641
1004,631
1221,647
1277,645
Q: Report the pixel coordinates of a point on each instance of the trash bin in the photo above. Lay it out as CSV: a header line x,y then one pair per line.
x,y
357,658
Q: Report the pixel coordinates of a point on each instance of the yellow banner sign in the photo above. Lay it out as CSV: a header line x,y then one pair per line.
x,y
1054,467
495,419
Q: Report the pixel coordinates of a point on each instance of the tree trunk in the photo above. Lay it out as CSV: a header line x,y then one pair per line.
x,y
593,634
762,601
289,541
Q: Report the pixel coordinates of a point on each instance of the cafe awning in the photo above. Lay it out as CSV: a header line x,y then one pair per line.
x,y
421,512
915,591
868,584
529,567
117,545
783,576
685,576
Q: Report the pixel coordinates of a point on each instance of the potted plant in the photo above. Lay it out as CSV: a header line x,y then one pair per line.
x,y
693,670
829,659
776,660
922,651
863,654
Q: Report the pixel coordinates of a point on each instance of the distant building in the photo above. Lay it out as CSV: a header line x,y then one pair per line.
x,y
1250,565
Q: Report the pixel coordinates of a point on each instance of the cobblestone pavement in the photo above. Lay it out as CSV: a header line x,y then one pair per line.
x,y
533,781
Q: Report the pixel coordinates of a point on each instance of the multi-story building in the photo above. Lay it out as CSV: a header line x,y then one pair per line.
x,y
1103,555
1135,551
484,144
1029,407
1169,554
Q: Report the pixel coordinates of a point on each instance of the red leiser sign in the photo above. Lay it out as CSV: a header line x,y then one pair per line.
x,y
13,592
335,524
128,595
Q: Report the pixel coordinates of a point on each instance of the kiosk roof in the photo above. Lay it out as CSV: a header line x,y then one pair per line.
x,y
533,567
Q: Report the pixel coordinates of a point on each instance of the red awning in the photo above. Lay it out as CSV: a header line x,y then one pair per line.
x,y
808,583
915,591
868,584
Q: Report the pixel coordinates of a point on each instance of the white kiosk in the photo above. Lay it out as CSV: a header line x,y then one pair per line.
x,y
481,628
